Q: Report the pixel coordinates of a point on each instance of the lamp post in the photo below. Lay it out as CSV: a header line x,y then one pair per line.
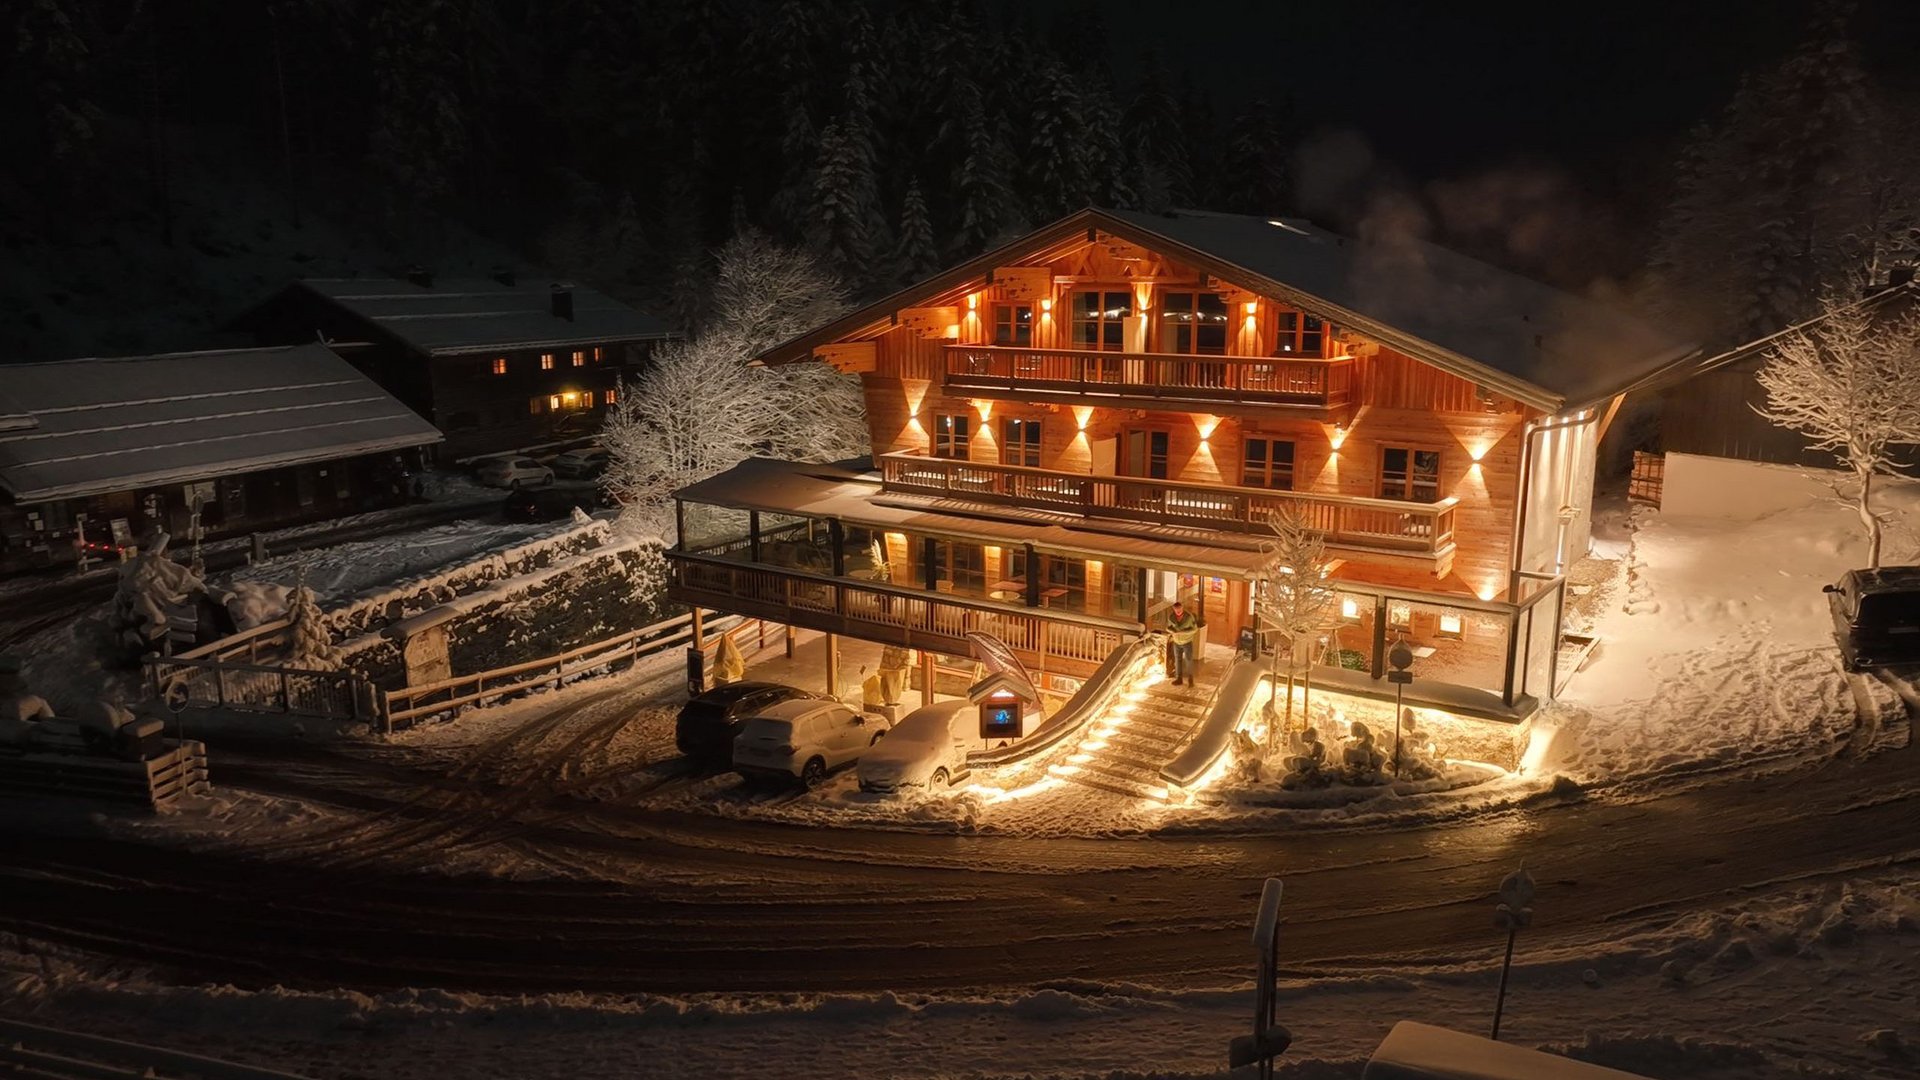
x,y
1512,913
1401,658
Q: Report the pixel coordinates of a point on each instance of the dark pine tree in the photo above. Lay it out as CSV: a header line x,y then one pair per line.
x,y
982,192
1163,173
915,255
847,224
1255,179
1056,178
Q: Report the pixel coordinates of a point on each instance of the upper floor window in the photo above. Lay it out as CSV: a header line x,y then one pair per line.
x,y
1099,319
1267,463
950,436
546,361
959,568
579,359
1013,324
1020,442
599,354
1410,475
610,396
1300,334
499,365
1193,322
1144,453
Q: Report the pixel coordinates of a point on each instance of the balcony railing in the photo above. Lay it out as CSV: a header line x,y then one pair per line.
x,y
1261,379
1051,640
1423,528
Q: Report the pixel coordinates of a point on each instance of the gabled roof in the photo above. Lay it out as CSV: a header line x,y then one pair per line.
x,y
102,425
1533,342
465,315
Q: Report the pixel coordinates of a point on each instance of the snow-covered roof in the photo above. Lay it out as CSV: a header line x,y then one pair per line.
x,y
465,315
113,424
1896,299
1536,343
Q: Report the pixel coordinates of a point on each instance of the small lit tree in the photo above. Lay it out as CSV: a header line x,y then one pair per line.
x,y
1296,595
1850,382
309,642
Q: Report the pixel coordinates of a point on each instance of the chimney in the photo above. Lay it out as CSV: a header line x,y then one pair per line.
x,y
420,275
504,277
562,305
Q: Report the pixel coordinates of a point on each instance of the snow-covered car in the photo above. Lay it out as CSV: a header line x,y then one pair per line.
x,y
803,740
581,463
514,472
1876,616
927,749
708,723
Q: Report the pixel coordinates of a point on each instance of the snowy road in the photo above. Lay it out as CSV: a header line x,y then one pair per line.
x,y
679,902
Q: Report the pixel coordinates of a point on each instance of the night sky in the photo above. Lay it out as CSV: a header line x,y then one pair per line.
x,y
1439,89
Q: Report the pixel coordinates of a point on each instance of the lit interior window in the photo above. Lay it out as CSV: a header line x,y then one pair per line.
x,y
546,361
553,403
598,354
610,398
1349,608
579,359
572,398
1399,613
1450,623
500,365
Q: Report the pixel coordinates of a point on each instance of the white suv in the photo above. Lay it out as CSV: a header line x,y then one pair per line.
x,y
803,740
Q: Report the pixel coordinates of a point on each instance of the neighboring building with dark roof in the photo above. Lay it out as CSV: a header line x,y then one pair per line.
x,y
256,438
1711,408
495,363
1075,430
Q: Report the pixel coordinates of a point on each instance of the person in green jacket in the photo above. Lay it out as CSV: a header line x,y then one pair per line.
x,y
1183,628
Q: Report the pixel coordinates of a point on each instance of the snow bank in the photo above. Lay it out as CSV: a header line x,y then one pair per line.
x,y
1833,970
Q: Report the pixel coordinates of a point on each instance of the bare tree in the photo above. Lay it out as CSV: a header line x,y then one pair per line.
x,y
1850,381
1296,596
701,407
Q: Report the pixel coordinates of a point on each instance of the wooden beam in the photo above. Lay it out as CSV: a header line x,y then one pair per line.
x,y
1023,282
931,322
850,357
1613,407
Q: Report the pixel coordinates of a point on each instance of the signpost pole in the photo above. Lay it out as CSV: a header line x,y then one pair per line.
x,y
1401,658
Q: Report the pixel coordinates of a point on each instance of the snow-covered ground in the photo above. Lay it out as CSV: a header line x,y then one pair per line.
x,y
1811,983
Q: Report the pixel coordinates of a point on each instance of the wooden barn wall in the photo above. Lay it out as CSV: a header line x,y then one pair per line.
x,y
1713,414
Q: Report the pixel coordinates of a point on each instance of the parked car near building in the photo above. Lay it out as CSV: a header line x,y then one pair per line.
x,y
581,463
708,723
514,472
927,750
803,740
1876,616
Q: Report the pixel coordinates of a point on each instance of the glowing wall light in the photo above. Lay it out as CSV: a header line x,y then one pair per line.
x,y
1449,624
1349,608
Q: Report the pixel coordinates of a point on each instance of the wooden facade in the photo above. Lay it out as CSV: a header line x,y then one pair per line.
x,y
1110,387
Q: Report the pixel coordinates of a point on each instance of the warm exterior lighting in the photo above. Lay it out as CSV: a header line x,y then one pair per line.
x,y
1207,426
1349,608
1253,307
985,409
1046,304
1339,435
1082,415
973,301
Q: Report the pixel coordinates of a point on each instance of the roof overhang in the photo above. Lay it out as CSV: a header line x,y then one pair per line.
x,y
1092,222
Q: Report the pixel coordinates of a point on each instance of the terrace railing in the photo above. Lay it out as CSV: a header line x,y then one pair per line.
x,y
880,611
1245,379
1423,528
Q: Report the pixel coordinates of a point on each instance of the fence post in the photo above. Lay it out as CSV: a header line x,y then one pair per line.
x,y
219,684
286,693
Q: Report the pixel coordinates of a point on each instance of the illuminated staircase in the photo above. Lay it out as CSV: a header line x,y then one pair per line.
x,y
1124,748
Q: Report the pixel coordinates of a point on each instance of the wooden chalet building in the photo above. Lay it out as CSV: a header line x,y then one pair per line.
x,y
231,442
495,363
1073,430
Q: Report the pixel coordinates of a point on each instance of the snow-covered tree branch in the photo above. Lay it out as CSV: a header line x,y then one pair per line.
x,y
1850,382
700,408
1296,586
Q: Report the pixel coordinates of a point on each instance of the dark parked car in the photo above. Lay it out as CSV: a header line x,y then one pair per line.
x,y
543,504
708,723
1876,616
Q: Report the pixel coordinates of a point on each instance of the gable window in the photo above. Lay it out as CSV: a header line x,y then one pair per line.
x,y
546,361
1300,334
1410,475
950,436
1013,325
1099,319
1193,322
1020,442
1267,463
500,365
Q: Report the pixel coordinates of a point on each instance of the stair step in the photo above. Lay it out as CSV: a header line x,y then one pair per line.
x,y
1177,726
1114,768
1153,742
1130,764
1132,788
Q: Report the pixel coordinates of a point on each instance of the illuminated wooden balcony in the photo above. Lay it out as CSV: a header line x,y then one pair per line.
x,y
1346,521
1148,378
1046,639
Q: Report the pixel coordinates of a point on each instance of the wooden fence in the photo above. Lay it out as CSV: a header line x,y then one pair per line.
x,y
414,703
185,682
178,769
